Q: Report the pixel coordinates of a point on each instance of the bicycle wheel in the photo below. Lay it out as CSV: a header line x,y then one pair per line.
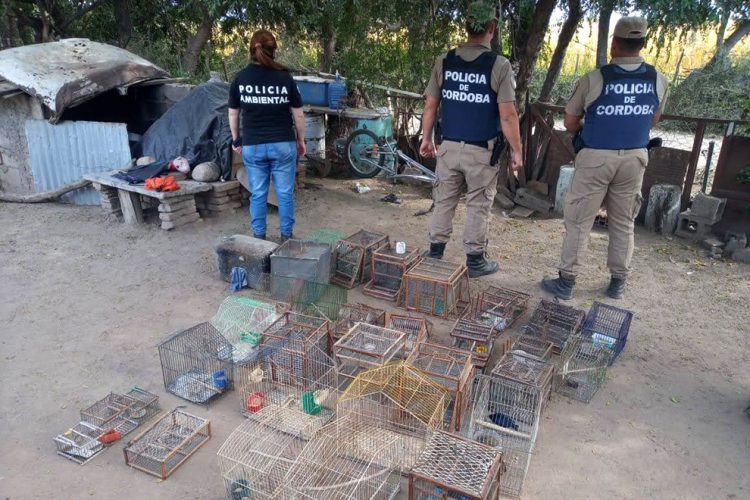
x,y
363,154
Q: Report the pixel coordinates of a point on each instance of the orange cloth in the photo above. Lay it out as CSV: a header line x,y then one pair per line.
x,y
166,183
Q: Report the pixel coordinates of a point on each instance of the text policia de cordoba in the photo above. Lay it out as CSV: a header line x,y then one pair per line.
x,y
628,91
465,79
264,94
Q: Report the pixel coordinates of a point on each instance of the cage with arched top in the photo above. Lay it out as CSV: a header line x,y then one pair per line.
x,y
241,321
395,401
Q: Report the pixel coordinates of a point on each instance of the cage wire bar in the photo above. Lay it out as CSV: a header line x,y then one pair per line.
x,y
351,314
608,326
168,443
388,269
255,459
346,460
437,288
499,307
241,321
80,443
532,347
505,415
554,322
306,260
364,347
308,297
454,467
122,412
582,368
197,363
289,387
479,339
394,401
450,368
416,330
353,257
526,370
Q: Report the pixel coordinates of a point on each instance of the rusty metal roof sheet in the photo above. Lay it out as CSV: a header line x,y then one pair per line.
x,y
65,73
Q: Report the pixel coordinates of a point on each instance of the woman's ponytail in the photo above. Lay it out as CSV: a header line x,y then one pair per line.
x,y
263,49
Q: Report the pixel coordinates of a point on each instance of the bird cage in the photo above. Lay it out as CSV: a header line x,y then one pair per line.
x,y
499,307
305,260
241,321
364,347
351,314
168,443
436,287
582,368
292,393
477,338
532,347
450,368
415,329
526,370
555,322
608,326
122,412
80,443
297,334
504,415
347,459
388,269
197,363
454,467
254,460
395,401
308,297
353,257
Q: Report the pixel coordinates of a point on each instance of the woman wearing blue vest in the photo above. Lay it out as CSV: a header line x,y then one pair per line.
x,y
273,131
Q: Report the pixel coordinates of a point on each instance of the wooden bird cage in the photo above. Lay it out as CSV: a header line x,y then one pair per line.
x,y
241,321
436,287
451,368
532,347
526,370
297,334
416,330
582,368
353,257
351,314
499,307
388,269
479,339
365,347
555,322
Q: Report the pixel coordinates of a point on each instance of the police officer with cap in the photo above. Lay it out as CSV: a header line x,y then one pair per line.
x,y
474,89
611,113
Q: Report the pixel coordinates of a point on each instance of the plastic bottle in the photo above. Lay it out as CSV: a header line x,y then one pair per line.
x,y
336,92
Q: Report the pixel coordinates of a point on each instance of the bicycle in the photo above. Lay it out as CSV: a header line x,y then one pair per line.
x,y
368,155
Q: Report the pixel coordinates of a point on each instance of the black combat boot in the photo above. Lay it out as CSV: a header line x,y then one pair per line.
x,y
436,251
287,237
259,236
560,287
616,288
479,266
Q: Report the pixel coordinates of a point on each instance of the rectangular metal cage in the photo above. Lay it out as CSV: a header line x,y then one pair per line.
x,y
122,412
416,330
353,257
436,287
168,443
351,314
197,363
308,297
582,368
526,370
388,269
609,326
80,443
499,307
306,260
364,347
532,347
554,322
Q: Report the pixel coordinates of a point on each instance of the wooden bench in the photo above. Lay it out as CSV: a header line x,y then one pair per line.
x,y
176,208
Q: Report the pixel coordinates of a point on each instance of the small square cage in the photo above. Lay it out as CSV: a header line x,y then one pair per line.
x,y
392,402
608,326
80,443
305,260
297,334
197,363
499,307
388,269
451,368
582,368
532,347
477,338
122,412
364,347
436,287
504,415
454,467
241,321
353,257
416,330
168,443
555,322
292,393
255,459
351,314
309,297
526,370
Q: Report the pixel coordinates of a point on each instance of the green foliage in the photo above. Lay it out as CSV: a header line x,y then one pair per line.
x,y
744,176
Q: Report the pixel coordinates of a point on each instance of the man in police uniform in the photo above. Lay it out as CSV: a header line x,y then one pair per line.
x,y
475,90
613,108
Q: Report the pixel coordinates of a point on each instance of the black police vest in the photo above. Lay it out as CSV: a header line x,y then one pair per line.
x,y
468,107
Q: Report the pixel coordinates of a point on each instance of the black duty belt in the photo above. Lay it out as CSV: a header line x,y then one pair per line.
x,y
481,144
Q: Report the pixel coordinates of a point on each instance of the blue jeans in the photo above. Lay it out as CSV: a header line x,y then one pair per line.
x,y
277,161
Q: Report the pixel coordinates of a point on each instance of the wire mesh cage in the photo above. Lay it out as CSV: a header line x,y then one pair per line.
x,y
395,401
436,287
454,467
526,370
416,330
255,459
582,368
364,347
388,269
346,460
353,257
80,443
608,326
555,322
450,368
478,339
504,415
168,443
289,391
241,321
532,347
309,297
351,314
197,363
306,260
499,307
122,412
297,333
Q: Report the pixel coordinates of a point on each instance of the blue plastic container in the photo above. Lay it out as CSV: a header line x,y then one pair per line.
x,y
336,92
314,90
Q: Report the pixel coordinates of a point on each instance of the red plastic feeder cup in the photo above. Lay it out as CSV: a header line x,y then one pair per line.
x,y
255,401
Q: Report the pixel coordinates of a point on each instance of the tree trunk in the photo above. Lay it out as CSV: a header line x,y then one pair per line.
x,y
742,29
196,42
124,23
539,25
722,30
496,44
329,48
602,40
575,14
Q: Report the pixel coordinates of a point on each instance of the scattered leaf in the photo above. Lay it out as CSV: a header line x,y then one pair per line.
x,y
674,399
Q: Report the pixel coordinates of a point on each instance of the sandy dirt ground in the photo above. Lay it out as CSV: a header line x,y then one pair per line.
x,y
85,301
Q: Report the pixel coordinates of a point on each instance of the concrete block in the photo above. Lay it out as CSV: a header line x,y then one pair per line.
x,y
177,206
742,255
176,216
712,243
663,208
734,243
531,199
709,208
181,221
693,228
521,212
222,187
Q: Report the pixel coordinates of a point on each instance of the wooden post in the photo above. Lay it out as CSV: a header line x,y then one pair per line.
x,y
130,204
693,164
